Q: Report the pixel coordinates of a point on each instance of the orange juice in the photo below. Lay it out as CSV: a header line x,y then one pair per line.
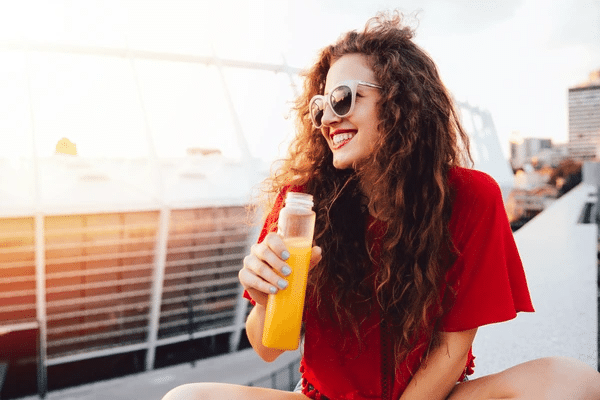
x,y
284,309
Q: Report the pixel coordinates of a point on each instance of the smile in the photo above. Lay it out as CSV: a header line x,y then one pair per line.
x,y
339,138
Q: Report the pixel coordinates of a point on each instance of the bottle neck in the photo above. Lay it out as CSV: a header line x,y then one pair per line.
x,y
299,200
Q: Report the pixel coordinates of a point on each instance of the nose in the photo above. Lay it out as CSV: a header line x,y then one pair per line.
x,y
329,117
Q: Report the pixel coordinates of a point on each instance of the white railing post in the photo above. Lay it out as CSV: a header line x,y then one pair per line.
x,y
40,295
157,284
40,252
162,236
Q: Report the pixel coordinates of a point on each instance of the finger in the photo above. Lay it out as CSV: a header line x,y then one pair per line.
x,y
275,243
256,295
259,297
316,256
264,270
265,252
254,285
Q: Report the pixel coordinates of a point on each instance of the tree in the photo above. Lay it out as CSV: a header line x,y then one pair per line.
x,y
566,176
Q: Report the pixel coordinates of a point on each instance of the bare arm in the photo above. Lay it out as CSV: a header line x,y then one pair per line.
x,y
254,329
436,377
264,269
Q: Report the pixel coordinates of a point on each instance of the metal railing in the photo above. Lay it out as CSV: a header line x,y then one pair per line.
x,y
89,286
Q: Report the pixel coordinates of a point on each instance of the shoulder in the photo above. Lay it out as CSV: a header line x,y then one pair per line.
x,y
476,199
470,185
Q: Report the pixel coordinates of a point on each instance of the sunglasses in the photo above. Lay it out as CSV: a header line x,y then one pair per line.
x,y
341,100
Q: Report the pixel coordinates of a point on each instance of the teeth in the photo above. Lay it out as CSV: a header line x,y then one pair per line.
x,y
337,139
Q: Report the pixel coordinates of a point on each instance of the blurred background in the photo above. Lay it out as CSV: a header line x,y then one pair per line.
x,y
134,134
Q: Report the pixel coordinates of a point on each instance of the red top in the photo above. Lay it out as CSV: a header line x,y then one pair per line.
x,y
488,278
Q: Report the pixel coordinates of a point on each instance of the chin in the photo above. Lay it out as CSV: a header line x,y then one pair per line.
x,y
341,164
348,162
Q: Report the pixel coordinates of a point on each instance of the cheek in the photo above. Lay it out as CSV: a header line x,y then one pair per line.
x,y
368,147
371,137
369,120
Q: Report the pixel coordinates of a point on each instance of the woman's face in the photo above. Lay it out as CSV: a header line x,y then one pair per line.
x,y
352,138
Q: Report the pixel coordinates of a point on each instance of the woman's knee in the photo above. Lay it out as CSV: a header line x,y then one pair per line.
x,y
222,391
190,391
582,379
553,378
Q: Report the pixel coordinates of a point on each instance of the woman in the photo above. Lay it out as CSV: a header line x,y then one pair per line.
x,y
414,251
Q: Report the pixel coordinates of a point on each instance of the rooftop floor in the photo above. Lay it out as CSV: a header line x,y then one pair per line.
x,y
560,259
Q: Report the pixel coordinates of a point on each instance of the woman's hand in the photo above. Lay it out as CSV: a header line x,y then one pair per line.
x,y
265,268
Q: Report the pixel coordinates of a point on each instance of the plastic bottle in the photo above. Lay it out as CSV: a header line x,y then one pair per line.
x,y
284,309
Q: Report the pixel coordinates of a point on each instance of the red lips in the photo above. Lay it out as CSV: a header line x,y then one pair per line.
x,y
348,133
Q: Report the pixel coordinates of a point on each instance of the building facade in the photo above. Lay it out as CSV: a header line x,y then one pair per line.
x,y
584,119
524,151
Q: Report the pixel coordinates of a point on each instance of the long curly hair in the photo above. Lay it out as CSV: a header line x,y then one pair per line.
x,y
421,140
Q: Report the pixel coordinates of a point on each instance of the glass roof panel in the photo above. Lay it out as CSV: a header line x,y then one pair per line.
x,y
186,107
15,114
90,100
263,102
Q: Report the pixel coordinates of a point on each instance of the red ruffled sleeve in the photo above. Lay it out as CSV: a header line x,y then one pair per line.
x,y
487,278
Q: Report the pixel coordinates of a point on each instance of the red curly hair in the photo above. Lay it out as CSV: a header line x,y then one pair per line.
x,y
421,139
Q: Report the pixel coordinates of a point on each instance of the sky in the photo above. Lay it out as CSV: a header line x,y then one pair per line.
x,y
514,58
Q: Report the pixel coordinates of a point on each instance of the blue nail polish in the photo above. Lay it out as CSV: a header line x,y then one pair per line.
x,y
273,289
282,283
286,270
285,255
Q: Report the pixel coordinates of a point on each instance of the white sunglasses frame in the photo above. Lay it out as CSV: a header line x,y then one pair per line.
x,y
352,85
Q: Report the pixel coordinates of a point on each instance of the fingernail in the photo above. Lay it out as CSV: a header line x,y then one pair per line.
x,y
273,289
282,283
285,255
286,270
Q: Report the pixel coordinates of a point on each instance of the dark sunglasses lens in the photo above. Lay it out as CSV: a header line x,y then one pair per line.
x,y
341,100
316,111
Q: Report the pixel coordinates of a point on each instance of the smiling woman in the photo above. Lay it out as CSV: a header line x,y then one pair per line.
x,y
412,250
351,132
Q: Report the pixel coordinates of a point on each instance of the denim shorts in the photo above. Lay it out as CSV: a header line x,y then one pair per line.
x,y
298,388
